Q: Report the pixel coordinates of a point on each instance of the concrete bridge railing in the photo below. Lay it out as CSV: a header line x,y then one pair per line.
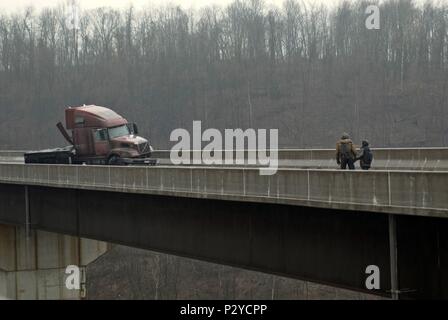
x,y
402,192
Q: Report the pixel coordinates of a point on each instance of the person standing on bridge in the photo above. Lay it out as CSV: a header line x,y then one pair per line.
x,y
345,152
365,156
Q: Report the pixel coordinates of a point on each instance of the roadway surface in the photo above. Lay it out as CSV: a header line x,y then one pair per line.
x,y
425,159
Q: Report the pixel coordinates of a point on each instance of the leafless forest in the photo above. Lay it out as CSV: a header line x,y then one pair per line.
x,y
310,71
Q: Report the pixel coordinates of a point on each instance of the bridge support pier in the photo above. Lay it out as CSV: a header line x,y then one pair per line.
x,y
33,263
393,257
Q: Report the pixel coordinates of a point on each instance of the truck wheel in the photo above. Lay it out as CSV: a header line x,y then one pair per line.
x,y
113,160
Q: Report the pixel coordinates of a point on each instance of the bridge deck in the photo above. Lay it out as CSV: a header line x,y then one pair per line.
x,y
400,192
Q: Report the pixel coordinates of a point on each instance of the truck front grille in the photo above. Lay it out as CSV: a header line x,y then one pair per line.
x,y
143,148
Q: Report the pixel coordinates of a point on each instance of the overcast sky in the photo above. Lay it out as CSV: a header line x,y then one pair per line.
x,y
12,5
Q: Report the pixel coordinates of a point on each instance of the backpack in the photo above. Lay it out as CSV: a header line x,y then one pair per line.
x,y
346,150
367,156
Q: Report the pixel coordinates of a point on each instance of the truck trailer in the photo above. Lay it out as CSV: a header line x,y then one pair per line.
x,y
98,136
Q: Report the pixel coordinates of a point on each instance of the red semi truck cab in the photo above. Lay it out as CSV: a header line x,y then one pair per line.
x,y
98,136
100,132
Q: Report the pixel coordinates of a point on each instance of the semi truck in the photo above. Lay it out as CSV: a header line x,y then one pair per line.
x,y
98,136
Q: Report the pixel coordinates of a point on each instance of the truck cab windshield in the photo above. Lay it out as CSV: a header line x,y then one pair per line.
x,y
119,131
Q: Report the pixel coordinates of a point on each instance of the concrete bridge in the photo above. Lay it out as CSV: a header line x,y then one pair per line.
x,y
322,225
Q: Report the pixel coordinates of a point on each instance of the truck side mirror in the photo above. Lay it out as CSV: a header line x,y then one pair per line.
x,y
134,128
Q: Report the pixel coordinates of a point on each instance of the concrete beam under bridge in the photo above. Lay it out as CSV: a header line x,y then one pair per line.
x,y
327,246
36,270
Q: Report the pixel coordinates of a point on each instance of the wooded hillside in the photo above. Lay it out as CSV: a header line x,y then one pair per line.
x,y
309,71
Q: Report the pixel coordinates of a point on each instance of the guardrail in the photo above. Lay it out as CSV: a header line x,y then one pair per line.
x,y
11,153
316,154
384,158
402,192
